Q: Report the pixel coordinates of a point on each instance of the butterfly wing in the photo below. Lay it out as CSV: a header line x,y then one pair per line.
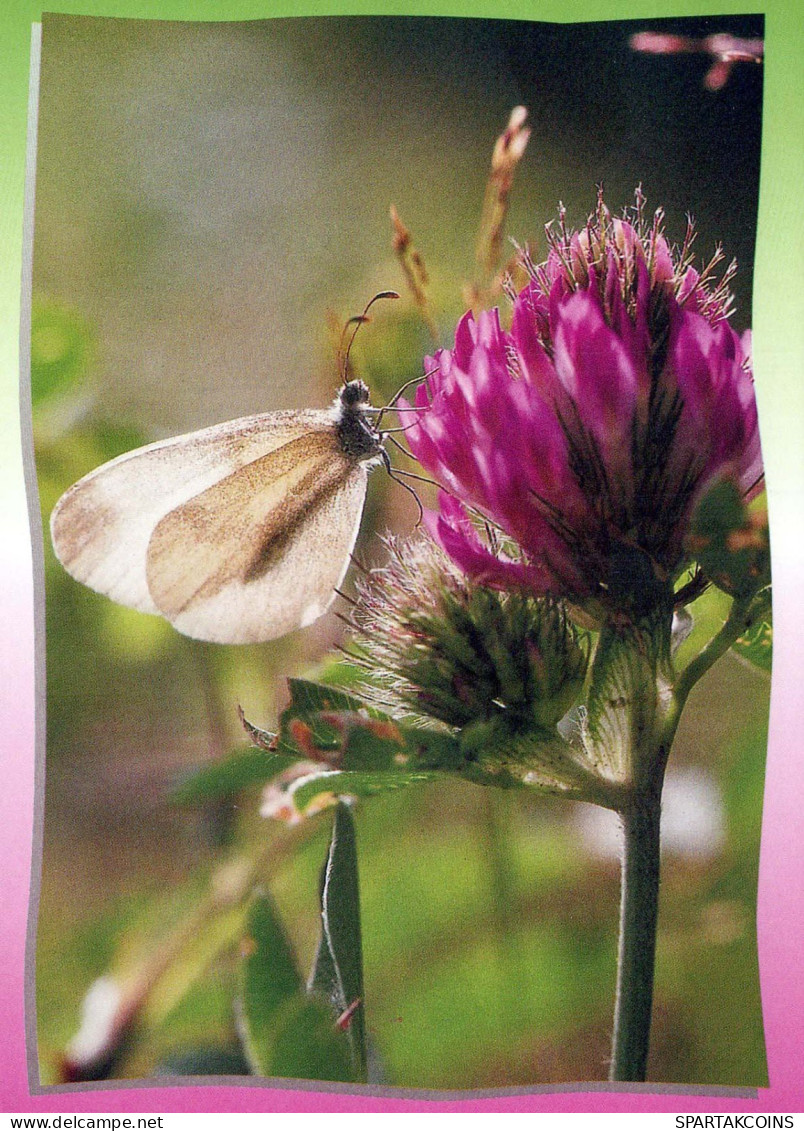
x,y
102,526
261,552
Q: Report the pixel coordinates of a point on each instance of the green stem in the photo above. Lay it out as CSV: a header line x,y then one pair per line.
x,y
639,901
739,620
639,909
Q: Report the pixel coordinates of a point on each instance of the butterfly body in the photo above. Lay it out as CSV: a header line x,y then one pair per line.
x,y
236,533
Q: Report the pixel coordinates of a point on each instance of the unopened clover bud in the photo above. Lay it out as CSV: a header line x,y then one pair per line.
x,y
444,647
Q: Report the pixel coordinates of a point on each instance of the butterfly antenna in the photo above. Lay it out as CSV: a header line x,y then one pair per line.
x,y
356,321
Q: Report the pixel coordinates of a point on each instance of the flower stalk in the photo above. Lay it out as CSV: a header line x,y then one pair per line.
x,y
640,815
414,270
639,912
633,719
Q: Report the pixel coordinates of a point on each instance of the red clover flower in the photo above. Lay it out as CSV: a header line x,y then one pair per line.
x,y
587,433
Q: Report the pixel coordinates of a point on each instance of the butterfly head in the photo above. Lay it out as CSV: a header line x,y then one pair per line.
x,y
353,394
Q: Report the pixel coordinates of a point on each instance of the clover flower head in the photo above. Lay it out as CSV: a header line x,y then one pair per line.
x,y
585,435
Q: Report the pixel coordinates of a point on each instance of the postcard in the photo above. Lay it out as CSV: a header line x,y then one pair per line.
x,y
397,720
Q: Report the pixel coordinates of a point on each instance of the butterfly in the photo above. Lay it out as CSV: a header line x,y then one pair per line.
x,y
235,534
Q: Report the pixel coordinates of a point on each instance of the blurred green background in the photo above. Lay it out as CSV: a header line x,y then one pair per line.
x,y
210,200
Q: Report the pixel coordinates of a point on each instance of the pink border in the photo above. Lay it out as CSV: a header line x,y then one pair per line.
x,y
781,915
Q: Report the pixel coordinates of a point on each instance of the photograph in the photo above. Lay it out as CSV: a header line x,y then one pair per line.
x,y
406,556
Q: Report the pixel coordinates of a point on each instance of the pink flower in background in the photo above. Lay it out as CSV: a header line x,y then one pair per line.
x,y
586,434
725,50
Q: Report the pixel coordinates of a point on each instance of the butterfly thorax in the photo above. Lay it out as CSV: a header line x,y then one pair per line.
x,y
358,439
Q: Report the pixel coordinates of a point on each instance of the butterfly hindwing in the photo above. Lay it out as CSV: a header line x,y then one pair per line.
x,y
260,552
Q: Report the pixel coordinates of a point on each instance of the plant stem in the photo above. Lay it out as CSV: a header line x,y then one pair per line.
x,y
639,908
739,620
639,899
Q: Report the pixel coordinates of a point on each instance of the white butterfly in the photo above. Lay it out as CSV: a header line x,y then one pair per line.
x,y
236,534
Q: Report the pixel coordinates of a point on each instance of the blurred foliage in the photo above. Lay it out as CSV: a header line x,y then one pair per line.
x,y
730,540
62,348
488,918
756,646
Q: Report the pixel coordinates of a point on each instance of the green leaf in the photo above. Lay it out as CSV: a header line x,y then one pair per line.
x,y
338,970
756,645
227,777
308,1046
361,750
354,784
327,725
270,977
310,698
262,738
285,1032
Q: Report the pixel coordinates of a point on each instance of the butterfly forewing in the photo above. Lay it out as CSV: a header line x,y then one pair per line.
x,y
102,526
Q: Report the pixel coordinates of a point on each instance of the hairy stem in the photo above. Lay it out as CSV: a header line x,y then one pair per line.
x,y
639,901
639,909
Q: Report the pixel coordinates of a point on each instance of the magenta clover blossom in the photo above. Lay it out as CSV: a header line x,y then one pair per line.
x,y
586,435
